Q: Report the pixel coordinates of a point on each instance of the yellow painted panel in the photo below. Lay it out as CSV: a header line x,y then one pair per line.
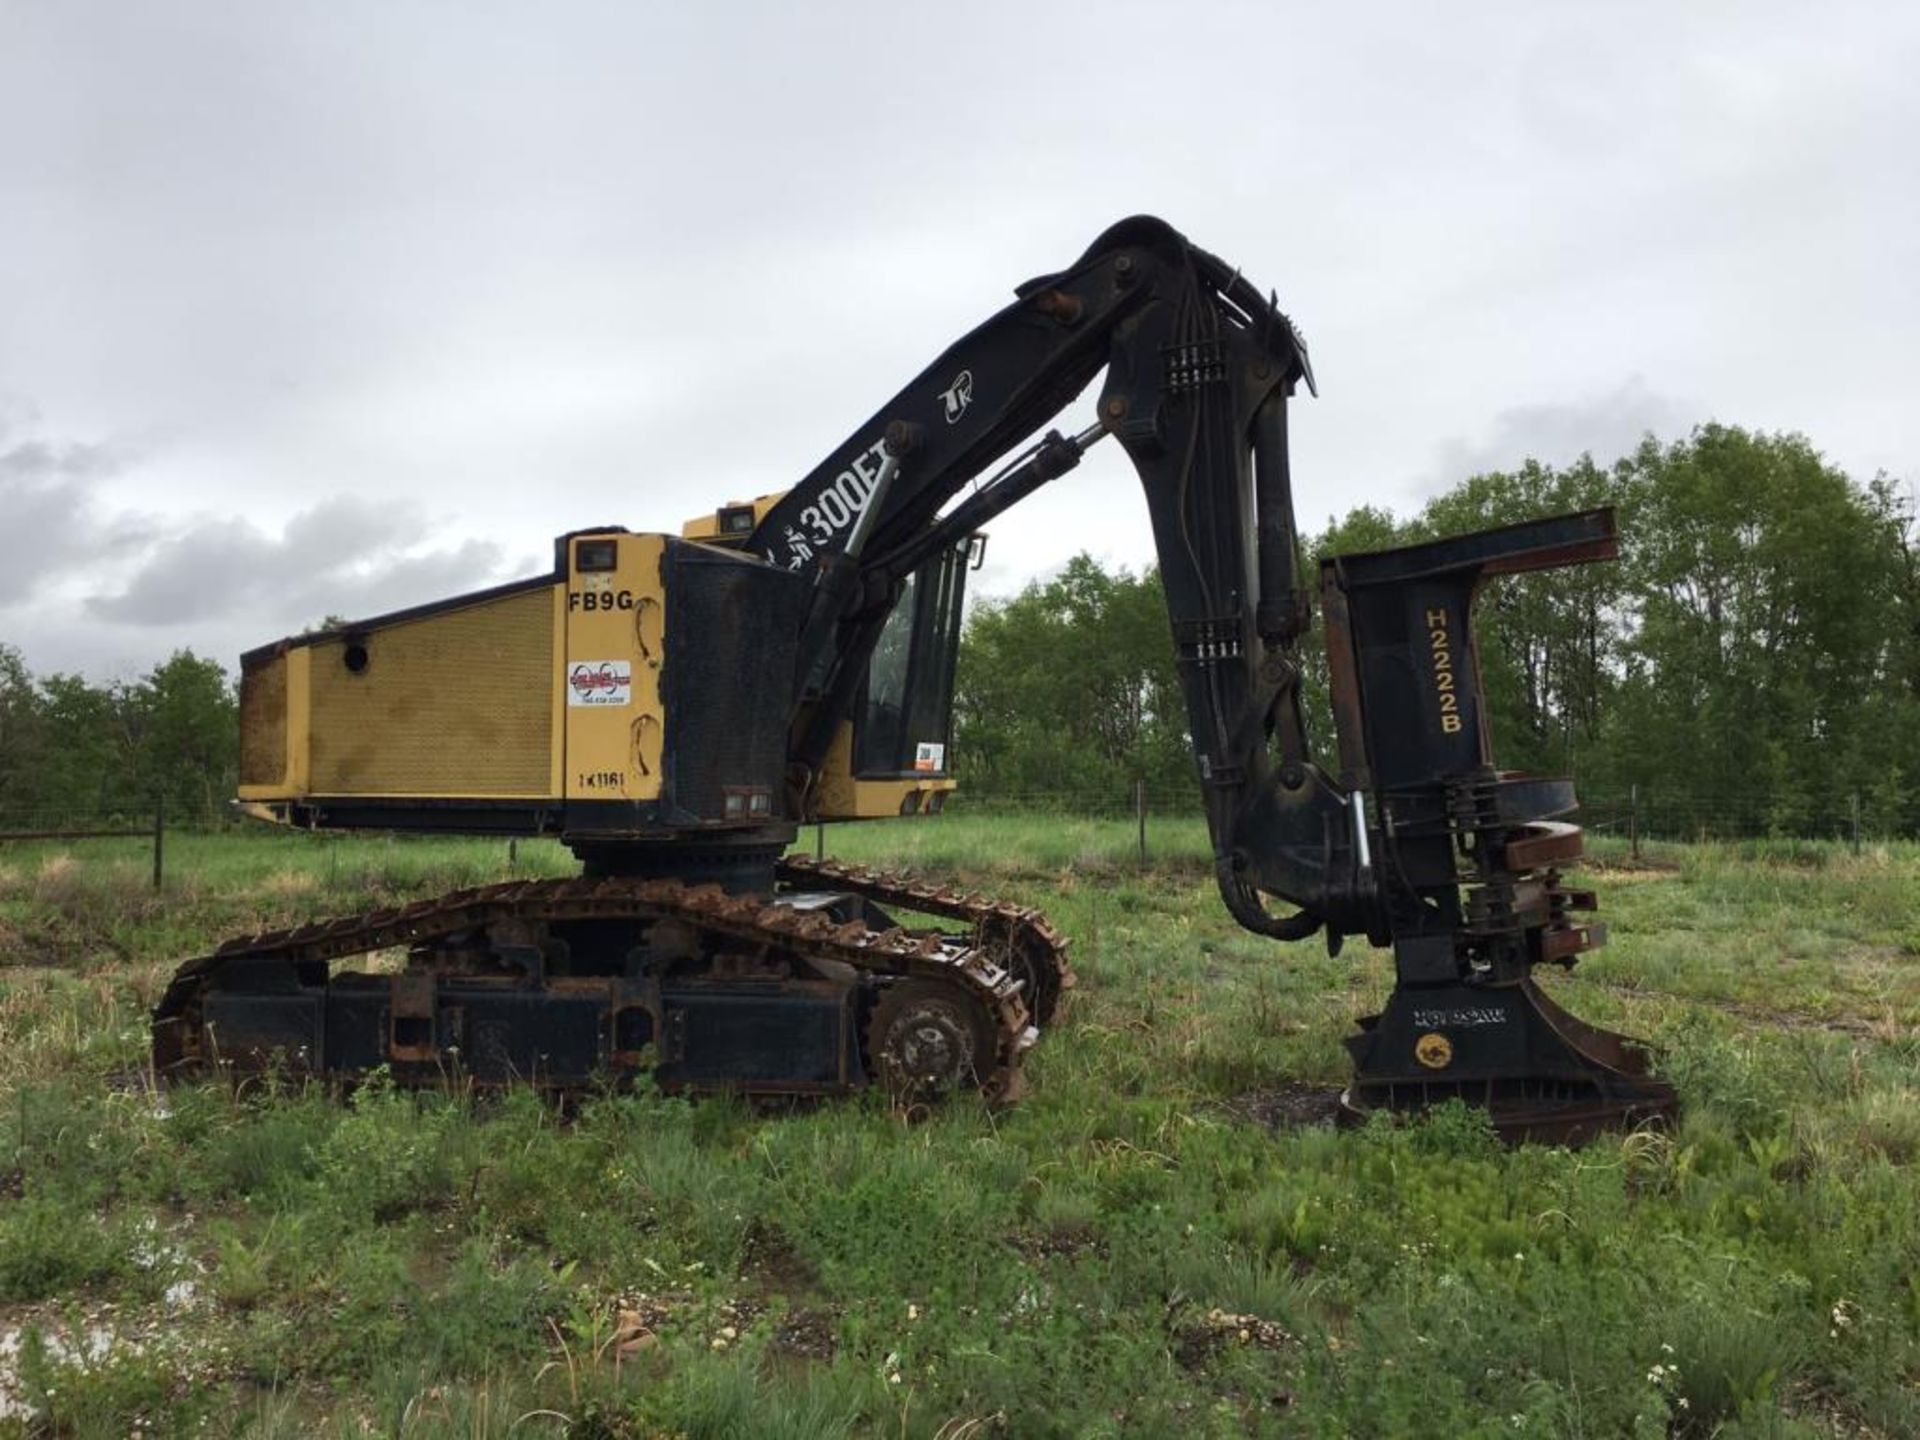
x,y
707,527
457,703
834,795
557,689
840,796
616,646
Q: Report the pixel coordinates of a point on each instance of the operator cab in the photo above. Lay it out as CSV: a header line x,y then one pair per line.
x,y
893,757
905,709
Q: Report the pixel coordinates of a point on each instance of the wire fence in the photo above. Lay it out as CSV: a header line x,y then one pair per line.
x,y
1634,814
1640,813
35,826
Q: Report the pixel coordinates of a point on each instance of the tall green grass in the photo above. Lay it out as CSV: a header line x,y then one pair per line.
x,y
1122,1253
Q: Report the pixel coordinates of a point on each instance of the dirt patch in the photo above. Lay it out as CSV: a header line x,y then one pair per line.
x,y
1830,1412
1197,1338
1750,1013
769,1259
85,1338
806,1334
770,1262
1066,1241
642,1309
52,945
640,1317
1296,1106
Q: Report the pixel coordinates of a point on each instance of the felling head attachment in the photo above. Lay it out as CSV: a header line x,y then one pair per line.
x,y
1466,867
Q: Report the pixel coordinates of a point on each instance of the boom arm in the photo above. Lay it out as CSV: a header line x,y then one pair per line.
x,y
1198,370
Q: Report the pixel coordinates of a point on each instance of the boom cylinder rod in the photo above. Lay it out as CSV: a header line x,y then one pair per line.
x,y
876,498
1051,459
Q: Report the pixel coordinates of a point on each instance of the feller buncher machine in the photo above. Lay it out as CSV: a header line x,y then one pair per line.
x,y
673,707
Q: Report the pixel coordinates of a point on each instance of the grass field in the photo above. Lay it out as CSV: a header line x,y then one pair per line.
x,y
1149,1244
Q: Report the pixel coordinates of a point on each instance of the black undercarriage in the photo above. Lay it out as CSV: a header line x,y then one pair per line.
x,y
813,988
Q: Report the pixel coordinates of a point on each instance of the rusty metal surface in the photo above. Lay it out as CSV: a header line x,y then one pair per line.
x,y
263,721
1023,939
182,1045
1560,943
1549,542
1544,843
1621,1055
1343,680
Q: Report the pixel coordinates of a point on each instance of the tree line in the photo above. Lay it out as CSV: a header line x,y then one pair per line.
x,y
1750,665
71,749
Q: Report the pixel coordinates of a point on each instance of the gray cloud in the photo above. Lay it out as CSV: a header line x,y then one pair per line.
x,y
1605,426
346,556
89,585
532,268
48,504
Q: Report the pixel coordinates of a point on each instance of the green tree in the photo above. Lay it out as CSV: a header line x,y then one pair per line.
x,y
86,768
1768,594
182,718
23,739
1070,688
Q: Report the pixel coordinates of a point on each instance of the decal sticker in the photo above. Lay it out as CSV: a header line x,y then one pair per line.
x,y
958,396
1433,1050
600,682
929,757
1460,1017
835,506
1441,642
600,598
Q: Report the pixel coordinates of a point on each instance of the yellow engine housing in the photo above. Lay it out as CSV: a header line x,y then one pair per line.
x,y
640,689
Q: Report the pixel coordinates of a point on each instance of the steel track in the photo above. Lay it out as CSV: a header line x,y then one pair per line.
x,y
182,1043
1021,933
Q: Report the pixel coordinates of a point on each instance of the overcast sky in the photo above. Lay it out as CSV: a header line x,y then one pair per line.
x,y
333,307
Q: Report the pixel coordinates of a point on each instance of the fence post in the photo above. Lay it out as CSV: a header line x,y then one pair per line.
x,y
1140,813
159,836
1853,802
1633,820
513,852
819,840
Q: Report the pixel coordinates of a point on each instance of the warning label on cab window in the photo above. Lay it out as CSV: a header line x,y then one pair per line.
x,y
600,682
928,756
